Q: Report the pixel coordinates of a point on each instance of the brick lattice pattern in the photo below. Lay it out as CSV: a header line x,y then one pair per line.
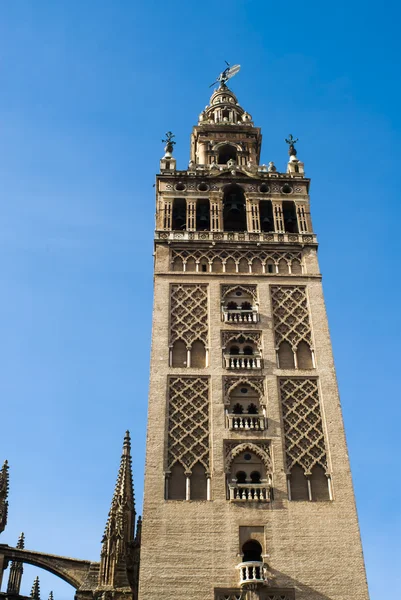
x,y
188,422
303,428
189,320
291,315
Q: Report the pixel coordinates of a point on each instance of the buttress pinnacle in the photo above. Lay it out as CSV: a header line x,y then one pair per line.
x,y
4,484
35,591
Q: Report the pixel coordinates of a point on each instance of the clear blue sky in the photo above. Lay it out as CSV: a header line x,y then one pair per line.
x,y
87,90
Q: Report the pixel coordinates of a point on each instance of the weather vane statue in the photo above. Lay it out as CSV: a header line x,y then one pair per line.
x,y
226,74
291,143
169,141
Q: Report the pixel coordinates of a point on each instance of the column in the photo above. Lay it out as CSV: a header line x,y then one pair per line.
x,y
191,214
278,216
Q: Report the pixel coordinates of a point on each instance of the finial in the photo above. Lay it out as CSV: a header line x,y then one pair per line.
x,y
51,595
21,541
35,591
291,143
169,141
127,444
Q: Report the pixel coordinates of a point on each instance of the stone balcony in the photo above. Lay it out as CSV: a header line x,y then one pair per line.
x,y
242,361
240,316
252,572
249,492
246,422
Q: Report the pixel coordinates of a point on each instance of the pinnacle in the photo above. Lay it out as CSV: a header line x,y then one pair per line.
x,y
21,541
51,596
35,591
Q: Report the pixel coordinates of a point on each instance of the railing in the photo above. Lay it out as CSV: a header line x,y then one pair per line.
x,y
246,422
252,572
240,316
249,492
242,362
236,236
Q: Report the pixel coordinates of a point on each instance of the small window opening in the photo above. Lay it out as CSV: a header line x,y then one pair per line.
x,y
266,215
226,153
234,350
248,350
252,409
204,268
238,409
255,477
202,214
246,306
264,188
270,268
290,217
252,551
240,477
232,306
179,214
234,215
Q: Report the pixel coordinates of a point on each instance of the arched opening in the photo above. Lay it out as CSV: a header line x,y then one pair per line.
x,y
178,264
234,216
285,356
198,355
252,551
243,266
234,350
203,215
252,409
319,484
177,483
198,482
255,477
179,354
240,477
217,265
190,265
232,306
304,356
238,409
179,220
230,265
248,350
283,266
266,215
270,266
226,153
299,484
296,268
246,305
290,217
257,266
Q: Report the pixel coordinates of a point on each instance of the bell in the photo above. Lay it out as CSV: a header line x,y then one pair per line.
x,y
233,207
266,221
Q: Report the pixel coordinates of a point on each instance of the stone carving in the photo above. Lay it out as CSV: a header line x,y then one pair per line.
x,y
188,422
230,383
241,337
4,483
291,315
303,428
222,256
261,449
189,320
247,289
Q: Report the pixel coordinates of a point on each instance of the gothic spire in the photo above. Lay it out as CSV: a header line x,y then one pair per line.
x,y
35,591
16,570
119,531
4,483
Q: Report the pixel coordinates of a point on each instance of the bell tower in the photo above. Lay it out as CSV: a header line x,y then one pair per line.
x,y
248,491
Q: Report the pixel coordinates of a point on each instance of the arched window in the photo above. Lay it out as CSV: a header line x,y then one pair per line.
x,y
234,216
319,484
198,355
248,350
232,306
285,356
252,409
179,354
234,350
246,306
255,477
238,409
252,551
226,153
298,484
304,356
198,482
177,483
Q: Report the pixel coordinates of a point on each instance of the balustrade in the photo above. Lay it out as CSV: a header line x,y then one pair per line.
x,y
242,361
252,572
249,492
246,422
240,316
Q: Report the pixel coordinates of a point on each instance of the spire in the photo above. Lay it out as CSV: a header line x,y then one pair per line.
x,y
119,531
4,484
16,570
51,596
35,591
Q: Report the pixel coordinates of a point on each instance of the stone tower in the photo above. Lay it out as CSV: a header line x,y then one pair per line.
x,y
248,489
